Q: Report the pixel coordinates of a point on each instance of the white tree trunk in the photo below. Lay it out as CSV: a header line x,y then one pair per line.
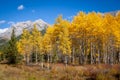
x,y
36,60
48,65
36,56
73,56
98,57
27,59
66,61
42,62
119,57
91,53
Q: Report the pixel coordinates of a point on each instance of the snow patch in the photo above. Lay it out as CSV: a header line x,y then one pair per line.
x,y
3,30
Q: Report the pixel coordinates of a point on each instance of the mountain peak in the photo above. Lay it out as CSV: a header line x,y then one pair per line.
x,y
114,13
6,33
3,30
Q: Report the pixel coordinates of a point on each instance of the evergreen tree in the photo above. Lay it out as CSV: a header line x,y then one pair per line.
x,y
12,53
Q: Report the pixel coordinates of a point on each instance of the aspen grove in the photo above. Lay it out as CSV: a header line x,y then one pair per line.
x,y
92,38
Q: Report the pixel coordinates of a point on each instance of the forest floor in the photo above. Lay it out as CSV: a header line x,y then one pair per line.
x,y
60,72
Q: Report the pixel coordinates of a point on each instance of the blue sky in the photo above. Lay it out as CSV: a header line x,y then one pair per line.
x,y
12,11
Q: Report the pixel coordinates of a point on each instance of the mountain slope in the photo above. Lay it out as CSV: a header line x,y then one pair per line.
x,y
5,35
114,13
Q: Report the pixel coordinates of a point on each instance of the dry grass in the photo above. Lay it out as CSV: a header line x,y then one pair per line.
x,y
60,72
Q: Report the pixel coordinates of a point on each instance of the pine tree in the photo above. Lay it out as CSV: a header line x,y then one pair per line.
x,y
13,55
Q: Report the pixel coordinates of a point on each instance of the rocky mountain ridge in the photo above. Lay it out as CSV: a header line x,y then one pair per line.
x,y
40,24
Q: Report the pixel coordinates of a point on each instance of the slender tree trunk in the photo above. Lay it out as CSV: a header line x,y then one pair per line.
x,y
98,57
85,51
66,61
81,56
4,58
36,56
85,56
86,59
105,52
73,56
105,55
36,60
91,54
112,56
50,60
48,65
30,60
27,59
42,62
119,56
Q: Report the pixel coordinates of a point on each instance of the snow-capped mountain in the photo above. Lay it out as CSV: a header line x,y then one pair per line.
x,y
3,30
114,13
6,33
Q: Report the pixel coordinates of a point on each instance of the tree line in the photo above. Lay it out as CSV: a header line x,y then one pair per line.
x,y
92,38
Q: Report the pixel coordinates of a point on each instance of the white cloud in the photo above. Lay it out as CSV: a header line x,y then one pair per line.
x,y
11,22
3,30
21,7
2,21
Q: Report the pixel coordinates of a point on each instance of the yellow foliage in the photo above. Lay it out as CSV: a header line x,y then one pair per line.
x,y
83,30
